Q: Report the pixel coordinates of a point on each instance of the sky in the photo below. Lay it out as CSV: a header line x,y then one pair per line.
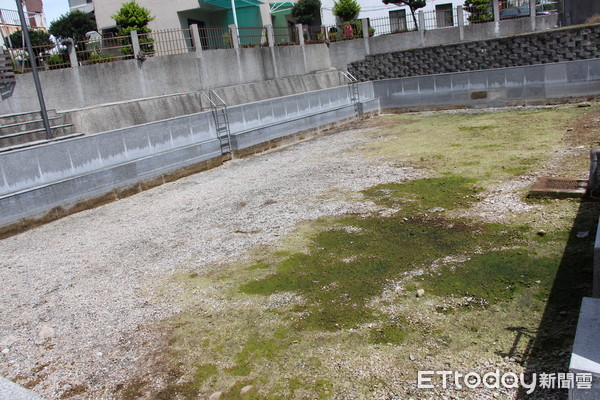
x,y
52,8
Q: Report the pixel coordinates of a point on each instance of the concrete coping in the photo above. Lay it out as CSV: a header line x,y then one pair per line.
x,y
586,349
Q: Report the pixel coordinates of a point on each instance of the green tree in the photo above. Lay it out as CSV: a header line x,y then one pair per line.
x,y
40,40
414,5
346,10
133,17
74,24
480,10
306,11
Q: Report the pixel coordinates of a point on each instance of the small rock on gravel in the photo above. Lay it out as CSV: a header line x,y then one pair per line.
x,y
246,389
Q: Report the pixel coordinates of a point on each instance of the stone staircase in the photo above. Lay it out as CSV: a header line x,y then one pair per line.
x,y
22,130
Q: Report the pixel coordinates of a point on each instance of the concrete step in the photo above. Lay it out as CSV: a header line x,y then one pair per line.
x,y
39,142
28,125
34,135
9,119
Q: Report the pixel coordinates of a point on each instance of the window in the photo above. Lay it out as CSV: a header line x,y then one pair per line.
x,y
443,15
398,21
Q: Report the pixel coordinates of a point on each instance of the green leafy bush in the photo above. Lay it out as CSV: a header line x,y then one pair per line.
x,y
346,10
98,57
480,11
57,61
133,17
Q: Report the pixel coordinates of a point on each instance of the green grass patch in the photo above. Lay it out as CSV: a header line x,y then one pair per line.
x,y
505,144
447,192
394,333
494,276
342,270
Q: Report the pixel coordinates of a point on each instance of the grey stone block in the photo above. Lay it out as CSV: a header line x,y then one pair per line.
x,y
11,391
596,278
585,357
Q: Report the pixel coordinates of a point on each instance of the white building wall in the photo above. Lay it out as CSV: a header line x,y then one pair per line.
x,y
376,9
164,12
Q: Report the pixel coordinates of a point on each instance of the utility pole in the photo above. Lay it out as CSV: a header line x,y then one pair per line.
x,y
34,71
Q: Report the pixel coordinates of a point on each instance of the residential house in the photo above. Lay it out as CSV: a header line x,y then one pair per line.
x,y
399,15
204,13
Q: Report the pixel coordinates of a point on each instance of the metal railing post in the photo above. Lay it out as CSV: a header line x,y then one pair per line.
x,y
34,71
135,43
235,40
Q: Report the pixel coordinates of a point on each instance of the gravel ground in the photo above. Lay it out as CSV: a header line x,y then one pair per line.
x,y
76,291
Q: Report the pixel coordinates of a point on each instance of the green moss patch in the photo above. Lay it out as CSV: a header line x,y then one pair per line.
x,y
493,277
343,269
394,333
423,194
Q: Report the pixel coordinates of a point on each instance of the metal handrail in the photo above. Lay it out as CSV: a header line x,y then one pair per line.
x,y
212,103
349,77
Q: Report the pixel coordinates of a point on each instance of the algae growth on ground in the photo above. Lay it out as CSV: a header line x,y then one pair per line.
x,y
336,316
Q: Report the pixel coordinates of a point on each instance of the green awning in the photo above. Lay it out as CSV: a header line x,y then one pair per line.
x,y
284,6
226,4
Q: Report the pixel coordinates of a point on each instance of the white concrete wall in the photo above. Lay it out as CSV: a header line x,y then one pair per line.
x,y
165,12
376,9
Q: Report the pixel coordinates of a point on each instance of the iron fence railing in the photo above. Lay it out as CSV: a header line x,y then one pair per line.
x,y
46,57
252,37
108,48
478,14
215,38
314,34
348,31
286,36
440,18
166,42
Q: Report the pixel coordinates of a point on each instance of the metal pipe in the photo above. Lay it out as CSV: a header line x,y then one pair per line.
x,y
34,71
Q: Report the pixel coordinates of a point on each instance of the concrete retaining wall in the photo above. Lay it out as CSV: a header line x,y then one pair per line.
x,y
91,85
65,173
347,52
494,87
121,81
107,117
539,48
